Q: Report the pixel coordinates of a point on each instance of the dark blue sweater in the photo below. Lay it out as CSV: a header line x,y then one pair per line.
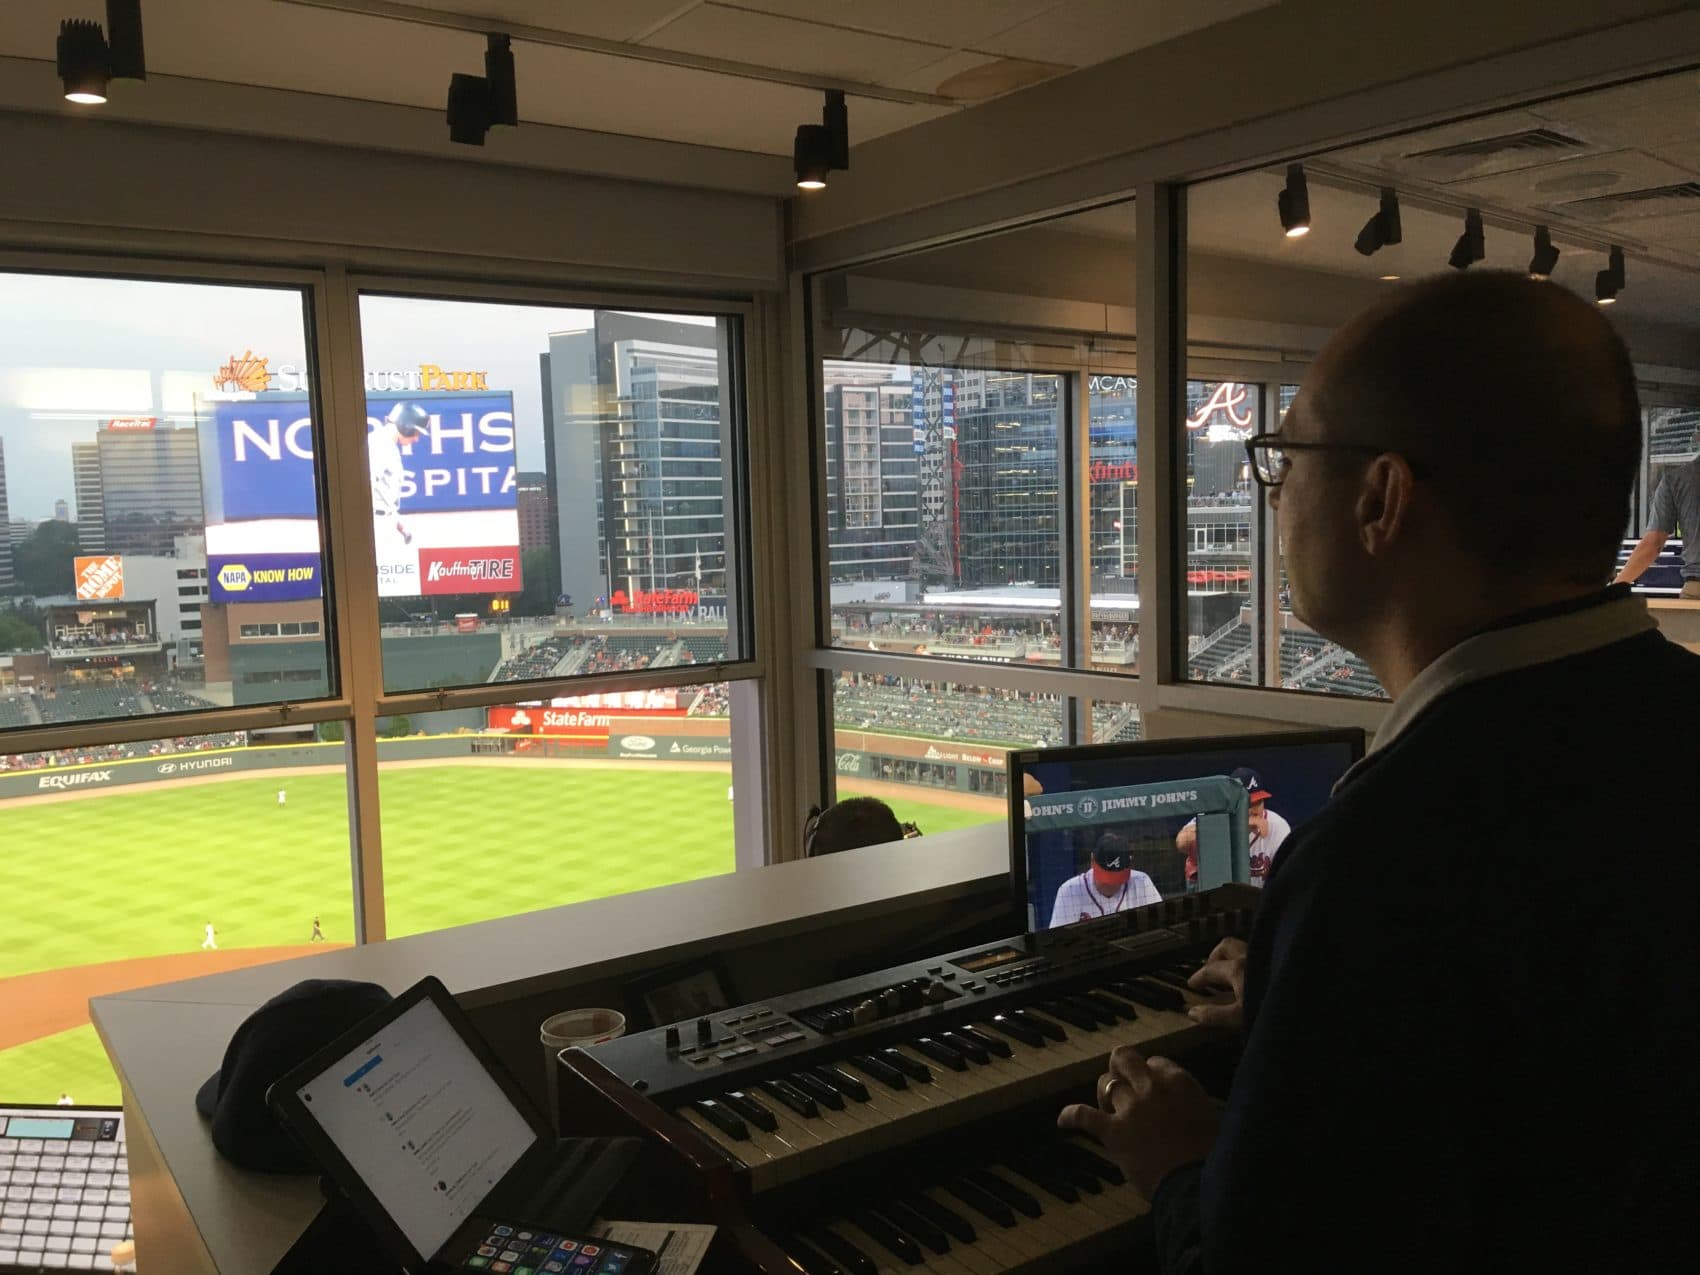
x,y
1473,996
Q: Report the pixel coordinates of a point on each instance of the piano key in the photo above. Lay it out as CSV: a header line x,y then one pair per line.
x,y
718,1115
1152,995
886,1235
841,1250
1039,1175
1106,1170
1019,1029
1073,1015
908,1064
960,1039
913,1224
1112,1005
941,1053
751,1110
1038,1022
818,1089
792,1097
1018,1198
1105,1016
879,1069
741,1152
842,1081
988,1204
1078,1175
810,1258
942,1216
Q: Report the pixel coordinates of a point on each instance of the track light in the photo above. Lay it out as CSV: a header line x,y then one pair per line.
x,y
87,61
1609,282
84,61
1293,203
477,103
499,71
819,149
1472,244
1383,229
1546,255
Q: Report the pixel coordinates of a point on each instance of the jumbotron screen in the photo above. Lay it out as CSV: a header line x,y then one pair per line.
x,y
1098,830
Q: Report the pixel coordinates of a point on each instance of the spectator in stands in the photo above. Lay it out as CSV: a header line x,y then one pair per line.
x,y
850,824
1676,507
1479,605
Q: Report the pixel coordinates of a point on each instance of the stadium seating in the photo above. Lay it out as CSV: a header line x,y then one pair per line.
x,y
171,699
534,661
1207,663
705,648
83,703
953,713
15,710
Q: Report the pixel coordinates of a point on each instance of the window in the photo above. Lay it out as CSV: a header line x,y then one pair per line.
x,y
595,795
622,431
1113,521
1222,505
119,910
161,410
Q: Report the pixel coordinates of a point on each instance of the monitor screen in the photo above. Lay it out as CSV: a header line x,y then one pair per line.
x,y
1101,829
421,1121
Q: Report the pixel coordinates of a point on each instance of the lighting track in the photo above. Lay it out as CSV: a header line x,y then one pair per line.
x,y
397,12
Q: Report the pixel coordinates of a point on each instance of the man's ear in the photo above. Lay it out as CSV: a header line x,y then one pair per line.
x,y
1384,502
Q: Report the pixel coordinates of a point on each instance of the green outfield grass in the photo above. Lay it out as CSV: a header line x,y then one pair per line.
x,y
139,871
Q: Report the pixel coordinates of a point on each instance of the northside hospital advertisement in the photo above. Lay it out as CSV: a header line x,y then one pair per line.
x,y
445,503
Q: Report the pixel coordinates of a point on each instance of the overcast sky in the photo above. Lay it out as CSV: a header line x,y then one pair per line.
x,y
76,352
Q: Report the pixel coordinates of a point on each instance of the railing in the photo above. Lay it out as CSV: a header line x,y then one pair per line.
x,y
132,647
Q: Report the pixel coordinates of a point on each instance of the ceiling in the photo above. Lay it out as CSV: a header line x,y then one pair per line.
x,y
1627,143
714,73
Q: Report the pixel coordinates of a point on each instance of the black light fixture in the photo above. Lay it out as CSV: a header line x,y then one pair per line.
x,y
499,71
1293,203
1546,255
478,103
1472,244
87,61
1609,282
819,149
1383,229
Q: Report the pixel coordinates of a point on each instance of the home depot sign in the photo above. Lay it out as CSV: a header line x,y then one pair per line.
x,y
99,577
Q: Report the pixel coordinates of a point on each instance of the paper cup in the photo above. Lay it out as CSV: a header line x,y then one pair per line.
x,y
575,1027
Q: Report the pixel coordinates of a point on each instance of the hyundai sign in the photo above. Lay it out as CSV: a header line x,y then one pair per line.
x,y
444,496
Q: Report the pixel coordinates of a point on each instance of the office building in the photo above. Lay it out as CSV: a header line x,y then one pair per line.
x,y
150,489
91,502
61,510
536,512
5,521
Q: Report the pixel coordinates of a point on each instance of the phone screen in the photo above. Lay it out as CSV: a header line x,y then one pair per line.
x,y
517,1250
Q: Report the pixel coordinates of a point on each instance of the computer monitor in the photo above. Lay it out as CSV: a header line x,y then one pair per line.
x,y
1107,827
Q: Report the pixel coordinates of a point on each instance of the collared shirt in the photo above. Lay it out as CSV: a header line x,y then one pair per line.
x,y
1676,507
1536,637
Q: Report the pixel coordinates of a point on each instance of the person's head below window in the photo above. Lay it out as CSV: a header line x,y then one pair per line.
x,y
852,823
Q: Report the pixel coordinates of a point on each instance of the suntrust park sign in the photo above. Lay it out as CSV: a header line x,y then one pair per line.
x,y
245,372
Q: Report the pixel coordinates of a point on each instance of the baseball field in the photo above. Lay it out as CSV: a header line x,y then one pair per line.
x,y
108,890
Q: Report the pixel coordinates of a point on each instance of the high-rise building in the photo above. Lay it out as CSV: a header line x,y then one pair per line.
x,y
535,524
61,510
91,504
6,580
150,482
872,474
637,443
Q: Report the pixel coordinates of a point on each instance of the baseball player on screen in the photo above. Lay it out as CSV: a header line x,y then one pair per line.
x,y
1108,885
1268,830
404,426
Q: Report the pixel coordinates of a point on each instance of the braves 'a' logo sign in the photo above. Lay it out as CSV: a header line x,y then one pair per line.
x,y
1229,397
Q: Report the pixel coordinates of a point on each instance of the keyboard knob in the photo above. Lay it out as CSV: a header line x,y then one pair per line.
x,y
672,1039
705,1033
864,1013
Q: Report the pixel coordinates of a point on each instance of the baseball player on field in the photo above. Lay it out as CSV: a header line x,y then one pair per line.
x,y
1108,885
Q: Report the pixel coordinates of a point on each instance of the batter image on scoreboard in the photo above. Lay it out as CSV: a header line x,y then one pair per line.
x,y
405,425
1096,851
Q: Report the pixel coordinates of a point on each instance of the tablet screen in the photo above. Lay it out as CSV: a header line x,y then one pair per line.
x,y
421,1121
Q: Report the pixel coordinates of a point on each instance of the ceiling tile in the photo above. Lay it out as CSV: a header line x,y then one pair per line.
x,y
953,23
714,30
976,77
625,20
1086,32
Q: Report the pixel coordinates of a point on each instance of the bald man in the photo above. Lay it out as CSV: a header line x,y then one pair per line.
x,y
1470,1003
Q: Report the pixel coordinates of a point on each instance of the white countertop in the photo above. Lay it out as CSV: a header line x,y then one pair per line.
x,y
165,1040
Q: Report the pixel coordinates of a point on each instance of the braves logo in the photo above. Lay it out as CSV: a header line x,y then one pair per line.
x,y
1229,397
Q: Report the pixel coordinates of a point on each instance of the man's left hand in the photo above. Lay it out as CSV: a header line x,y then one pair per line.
x,y
1152,1117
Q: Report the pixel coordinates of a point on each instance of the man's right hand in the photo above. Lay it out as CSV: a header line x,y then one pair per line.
x,y
1224,971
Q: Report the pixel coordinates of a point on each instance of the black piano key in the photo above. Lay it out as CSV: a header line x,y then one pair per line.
x,y
888,1236
751,1110
1175,980
914,1225
947,1219
883,1072
1076,1175
1042,1176
810,1258
989,1041
1005,1190
818,1089
1123,1005
1107,1170
722,1119
972,1050
793,1098
1039,1023
982,1201
1018,1029
914,1068
1104,1010
841,1080
841,1250
1070,1014
1151,995
940,1053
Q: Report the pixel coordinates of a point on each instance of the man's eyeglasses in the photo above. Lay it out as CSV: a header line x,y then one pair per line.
x,y
1269,459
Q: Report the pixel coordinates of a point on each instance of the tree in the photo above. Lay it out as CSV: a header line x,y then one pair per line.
x,y
397,727
43,563
17,634
542,583
330,732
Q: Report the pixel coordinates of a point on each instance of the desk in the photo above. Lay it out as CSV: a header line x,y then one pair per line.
x,y
1678,619
196,1213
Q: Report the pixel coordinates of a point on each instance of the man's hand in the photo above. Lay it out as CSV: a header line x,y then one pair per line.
x,y
1152,1117
1225,970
